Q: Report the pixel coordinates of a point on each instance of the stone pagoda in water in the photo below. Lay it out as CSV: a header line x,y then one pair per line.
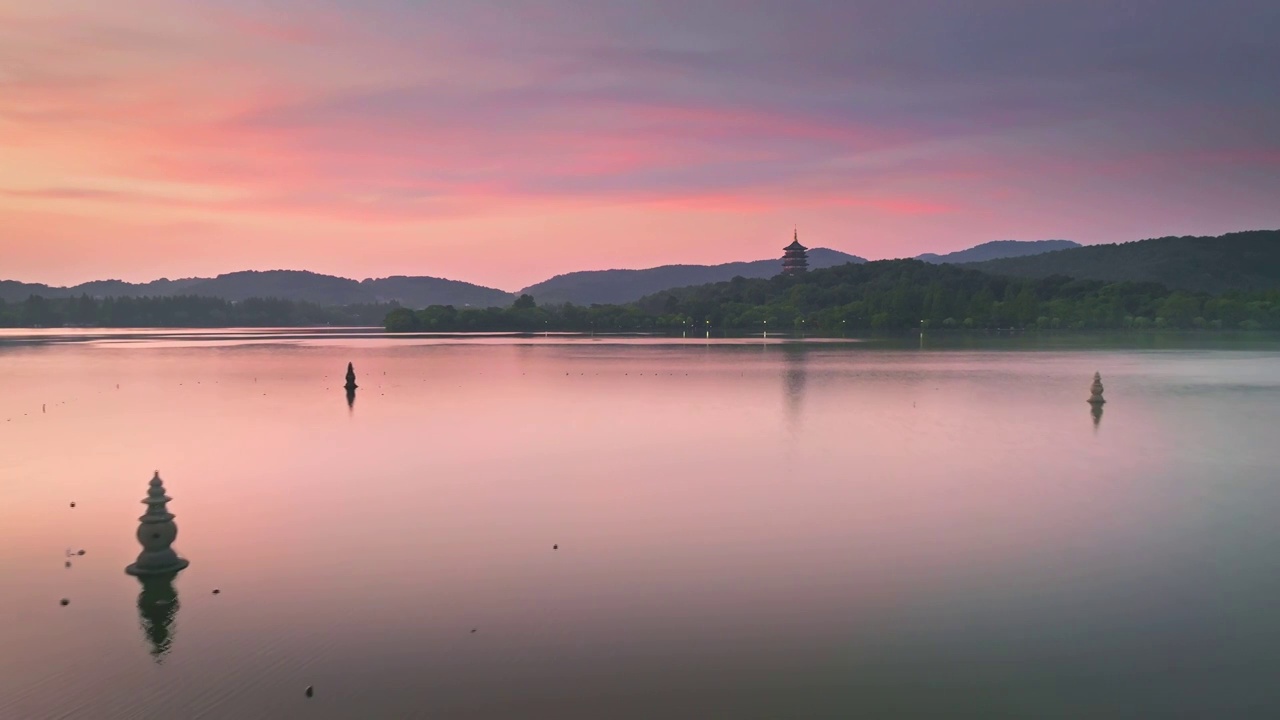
x,y
795,257
156,533
1095,390
351,377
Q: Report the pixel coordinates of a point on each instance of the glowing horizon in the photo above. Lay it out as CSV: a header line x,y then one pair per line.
x,y
504,143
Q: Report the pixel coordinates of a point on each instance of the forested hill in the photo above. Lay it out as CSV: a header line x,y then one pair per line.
x,y
589,287
1237,261
881,296
293,285
999,249
902,294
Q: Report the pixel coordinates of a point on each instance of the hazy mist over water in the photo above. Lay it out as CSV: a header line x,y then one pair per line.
x,y
745,528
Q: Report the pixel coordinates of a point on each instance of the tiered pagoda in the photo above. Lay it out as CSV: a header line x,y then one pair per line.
x,y
795,258
156,533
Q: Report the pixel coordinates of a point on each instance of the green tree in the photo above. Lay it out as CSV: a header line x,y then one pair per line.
x,y
401,320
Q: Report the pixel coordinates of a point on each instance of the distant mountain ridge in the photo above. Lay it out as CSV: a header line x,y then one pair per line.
x,y
605,287
1247,260
584,287
298,285
999,249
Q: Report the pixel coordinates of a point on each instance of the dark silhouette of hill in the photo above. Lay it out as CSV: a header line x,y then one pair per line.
x,y
284,284
611,287
997,249
294,285
885,296
1236,261
13,291
421,291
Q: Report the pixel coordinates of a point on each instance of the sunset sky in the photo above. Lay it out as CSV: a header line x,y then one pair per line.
x,y
501,142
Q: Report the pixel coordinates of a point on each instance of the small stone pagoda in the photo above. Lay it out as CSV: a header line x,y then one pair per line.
x,y
351,377
1095,390
156,533
795,257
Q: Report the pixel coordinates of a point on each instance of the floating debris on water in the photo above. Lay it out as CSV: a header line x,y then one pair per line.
x,y
310,691
65,602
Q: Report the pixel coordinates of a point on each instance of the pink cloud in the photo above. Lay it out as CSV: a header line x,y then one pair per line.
x,y
528,136
295,29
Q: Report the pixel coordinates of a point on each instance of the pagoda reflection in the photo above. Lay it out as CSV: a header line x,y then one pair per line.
x,y
1095,410
157,608
794,358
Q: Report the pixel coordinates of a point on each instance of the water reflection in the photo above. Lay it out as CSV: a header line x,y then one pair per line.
x,y
913,547
795,376
157,608
1095,409
351,399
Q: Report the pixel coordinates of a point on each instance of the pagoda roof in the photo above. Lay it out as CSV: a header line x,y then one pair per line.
x,y
795,245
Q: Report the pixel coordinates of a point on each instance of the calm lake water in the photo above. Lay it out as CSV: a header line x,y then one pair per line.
x,y
746,529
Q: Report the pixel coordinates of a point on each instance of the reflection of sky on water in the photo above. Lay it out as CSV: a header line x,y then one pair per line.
x,y
892,515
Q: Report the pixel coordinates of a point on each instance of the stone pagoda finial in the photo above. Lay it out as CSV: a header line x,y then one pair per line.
x,y
351,377
1095,390
156,533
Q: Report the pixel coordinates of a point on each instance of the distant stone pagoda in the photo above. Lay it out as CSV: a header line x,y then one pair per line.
x,y
156,533
795,258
